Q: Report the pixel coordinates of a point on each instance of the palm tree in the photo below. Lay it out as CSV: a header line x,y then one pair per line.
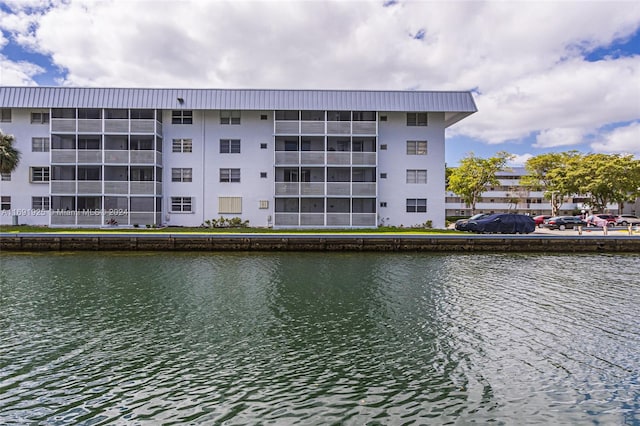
x,y
9,156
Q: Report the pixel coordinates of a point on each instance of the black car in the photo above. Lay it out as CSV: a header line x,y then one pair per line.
x,y
564,222
503,223
461,224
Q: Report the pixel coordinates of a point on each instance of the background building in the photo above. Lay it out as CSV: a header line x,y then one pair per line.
x,y
281,158
510,196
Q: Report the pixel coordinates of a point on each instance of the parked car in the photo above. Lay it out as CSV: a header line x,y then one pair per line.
x,y
564,222
461,224
503,223
627,219
539,220
611,219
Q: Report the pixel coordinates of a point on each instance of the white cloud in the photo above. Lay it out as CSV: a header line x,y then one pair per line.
x,y
625,140
17,73
519,160
566,136
525,58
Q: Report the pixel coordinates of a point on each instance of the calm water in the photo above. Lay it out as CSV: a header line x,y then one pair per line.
x,y
316,338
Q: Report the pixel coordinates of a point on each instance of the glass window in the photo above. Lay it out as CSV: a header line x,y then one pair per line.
x,y
182,145
181,117
5,176
181,175
5,115
39,144
229,175
416,119
416,176
230,146
416,147
230,117
39,117
5,202
181,204
39,174
416,205
40,203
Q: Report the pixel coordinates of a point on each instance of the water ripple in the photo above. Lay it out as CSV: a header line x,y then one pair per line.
x,y
318,338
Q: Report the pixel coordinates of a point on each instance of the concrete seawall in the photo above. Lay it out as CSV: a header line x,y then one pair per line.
x,y
319,242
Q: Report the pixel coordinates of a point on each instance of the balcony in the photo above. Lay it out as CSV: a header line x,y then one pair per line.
x,y
338,188
63,125
341,158
89,156
90,125
363,158
286,219
116,187
287,157
63,156
116,157
147,188
63,186
364,189
338,219
89,187
312,127
143,157
287,188
116,126
143,126
312,219
312,157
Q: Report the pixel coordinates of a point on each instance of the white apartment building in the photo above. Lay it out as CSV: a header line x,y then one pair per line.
x,y
180,157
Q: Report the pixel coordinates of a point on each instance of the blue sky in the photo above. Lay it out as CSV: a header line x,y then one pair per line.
x,y
546,76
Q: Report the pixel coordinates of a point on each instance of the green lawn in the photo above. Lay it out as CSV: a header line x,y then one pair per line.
x,y
199,230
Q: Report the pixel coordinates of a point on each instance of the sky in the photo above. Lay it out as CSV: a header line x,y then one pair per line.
x,y
547,76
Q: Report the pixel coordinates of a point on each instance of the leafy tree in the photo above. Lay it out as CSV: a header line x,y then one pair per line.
x,y
9,155
474,174
607,178
548,172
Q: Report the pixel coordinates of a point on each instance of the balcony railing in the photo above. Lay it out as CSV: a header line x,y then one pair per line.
x,y
89,156
89,187
63,156
63,186
142,187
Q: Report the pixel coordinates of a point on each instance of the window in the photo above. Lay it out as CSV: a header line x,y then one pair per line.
x,y
90,113
5,176
229,175
39,174
383,147
40,203
312,115
416,205
383,118
144,114
5,115
39,117
181,117
416,147
181,175
416,119
116,114
383,175
229,205
229,146
338,115
40,145
5,203
263,146
181,204
383,204
229,117
416,176
63,113
182,145
364,116
287,115
264,204
263,175
89,142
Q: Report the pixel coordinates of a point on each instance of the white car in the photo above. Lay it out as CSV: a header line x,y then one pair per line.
x,y
627,219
